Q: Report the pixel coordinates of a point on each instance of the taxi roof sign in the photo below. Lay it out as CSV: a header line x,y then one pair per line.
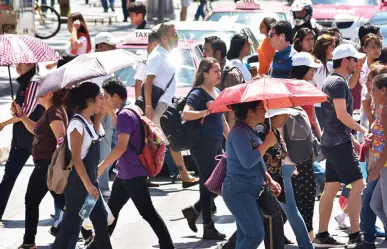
x,y
138,37
248,5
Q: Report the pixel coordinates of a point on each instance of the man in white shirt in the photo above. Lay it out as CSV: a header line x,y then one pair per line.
x,y
161,73
105,41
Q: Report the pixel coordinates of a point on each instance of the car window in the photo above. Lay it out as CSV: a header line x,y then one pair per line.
x,y
347,2
199,35
252,38
380,18
251,19
185,69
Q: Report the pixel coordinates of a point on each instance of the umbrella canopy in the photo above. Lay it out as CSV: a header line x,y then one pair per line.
x,y
277,93
85,67
24,49
16,49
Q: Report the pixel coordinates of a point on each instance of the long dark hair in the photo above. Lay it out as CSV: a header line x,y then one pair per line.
x,y
79,97
204,67
268,21
237,43
242,109
300,36
299,72
320,49
83,29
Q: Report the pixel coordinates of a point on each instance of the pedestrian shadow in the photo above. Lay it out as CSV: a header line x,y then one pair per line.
x,y
166,192
200,244
26,165
45,247
223,219
21,223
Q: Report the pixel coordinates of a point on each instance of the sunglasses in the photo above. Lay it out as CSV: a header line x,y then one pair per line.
x,y
354,59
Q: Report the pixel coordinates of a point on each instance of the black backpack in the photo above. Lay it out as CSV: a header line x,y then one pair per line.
x,y
182,135
299,137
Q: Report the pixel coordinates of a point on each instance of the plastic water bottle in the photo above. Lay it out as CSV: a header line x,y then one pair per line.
x,y
87,207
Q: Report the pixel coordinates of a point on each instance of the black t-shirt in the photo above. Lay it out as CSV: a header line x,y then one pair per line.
x,y
335,132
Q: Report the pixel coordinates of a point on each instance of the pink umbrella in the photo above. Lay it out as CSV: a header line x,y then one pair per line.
x,y
16,49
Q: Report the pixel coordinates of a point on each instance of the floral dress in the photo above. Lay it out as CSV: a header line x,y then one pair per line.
x,y
378,139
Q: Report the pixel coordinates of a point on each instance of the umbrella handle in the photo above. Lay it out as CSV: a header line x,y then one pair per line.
x,y
268,113
10,82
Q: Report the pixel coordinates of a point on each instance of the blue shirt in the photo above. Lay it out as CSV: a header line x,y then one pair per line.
x,y
213,123
281,65
243,159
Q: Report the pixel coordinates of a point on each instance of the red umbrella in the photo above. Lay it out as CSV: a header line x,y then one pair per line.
x,y
16,49
277,93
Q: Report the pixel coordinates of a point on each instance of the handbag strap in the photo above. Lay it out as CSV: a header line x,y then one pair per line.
x,y
169,83
255,146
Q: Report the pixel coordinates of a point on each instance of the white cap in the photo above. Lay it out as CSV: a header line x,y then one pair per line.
x,y
346,50
275,112
105,37
304,59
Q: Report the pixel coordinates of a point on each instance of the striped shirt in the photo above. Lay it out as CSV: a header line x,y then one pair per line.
x,y
30,101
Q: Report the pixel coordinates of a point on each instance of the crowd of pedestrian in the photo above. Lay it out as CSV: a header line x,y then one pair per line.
x,y
100,129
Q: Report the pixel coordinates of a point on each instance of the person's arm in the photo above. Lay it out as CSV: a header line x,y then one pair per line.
x,y
247,156
383,156
366,104
190,114
117,152
12,120
226,128
315,124
28,123
354,78
58,128
149,112
140,77
75,42
137,88
76,159
344,117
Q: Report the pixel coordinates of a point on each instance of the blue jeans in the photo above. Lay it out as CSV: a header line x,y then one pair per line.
x,y
105,4
319,173
170,162
200,11
105,149
240,195
291,211
367,216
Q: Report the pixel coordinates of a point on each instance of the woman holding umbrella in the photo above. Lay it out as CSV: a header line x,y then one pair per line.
x,y
49,130
21,138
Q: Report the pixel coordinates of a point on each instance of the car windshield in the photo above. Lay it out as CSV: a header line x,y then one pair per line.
x,y
249,18
199,35
185,71
347,2
380,18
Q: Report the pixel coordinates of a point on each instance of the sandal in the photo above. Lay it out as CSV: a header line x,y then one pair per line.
x,y
27,246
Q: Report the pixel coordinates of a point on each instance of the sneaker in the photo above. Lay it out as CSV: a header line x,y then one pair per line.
x,y
327,242
352,243
365,245
341,221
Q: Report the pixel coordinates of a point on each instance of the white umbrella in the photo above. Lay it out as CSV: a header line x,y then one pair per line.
x,y
85,67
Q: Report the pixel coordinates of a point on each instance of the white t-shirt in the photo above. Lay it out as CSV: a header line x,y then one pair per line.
x,y
141,70
76,124
319,78
160,64
81,50
242,67
365,69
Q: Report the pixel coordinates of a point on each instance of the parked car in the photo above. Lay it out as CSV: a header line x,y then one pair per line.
x,y
347,15
250,14
380,18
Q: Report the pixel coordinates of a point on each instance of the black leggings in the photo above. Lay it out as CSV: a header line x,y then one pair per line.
x,y
304,187
204,154
36,191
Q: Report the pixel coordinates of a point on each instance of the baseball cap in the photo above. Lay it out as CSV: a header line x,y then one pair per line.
x,y
304,59
276,112
346,50
105,37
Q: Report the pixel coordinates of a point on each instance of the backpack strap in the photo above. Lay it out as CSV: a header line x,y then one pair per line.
x,y
142,129
169,83
80,118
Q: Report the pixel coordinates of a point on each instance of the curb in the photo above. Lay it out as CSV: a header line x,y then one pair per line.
x,y
4,151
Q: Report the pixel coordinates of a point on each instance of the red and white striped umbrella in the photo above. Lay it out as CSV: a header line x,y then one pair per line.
x,y
16,49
